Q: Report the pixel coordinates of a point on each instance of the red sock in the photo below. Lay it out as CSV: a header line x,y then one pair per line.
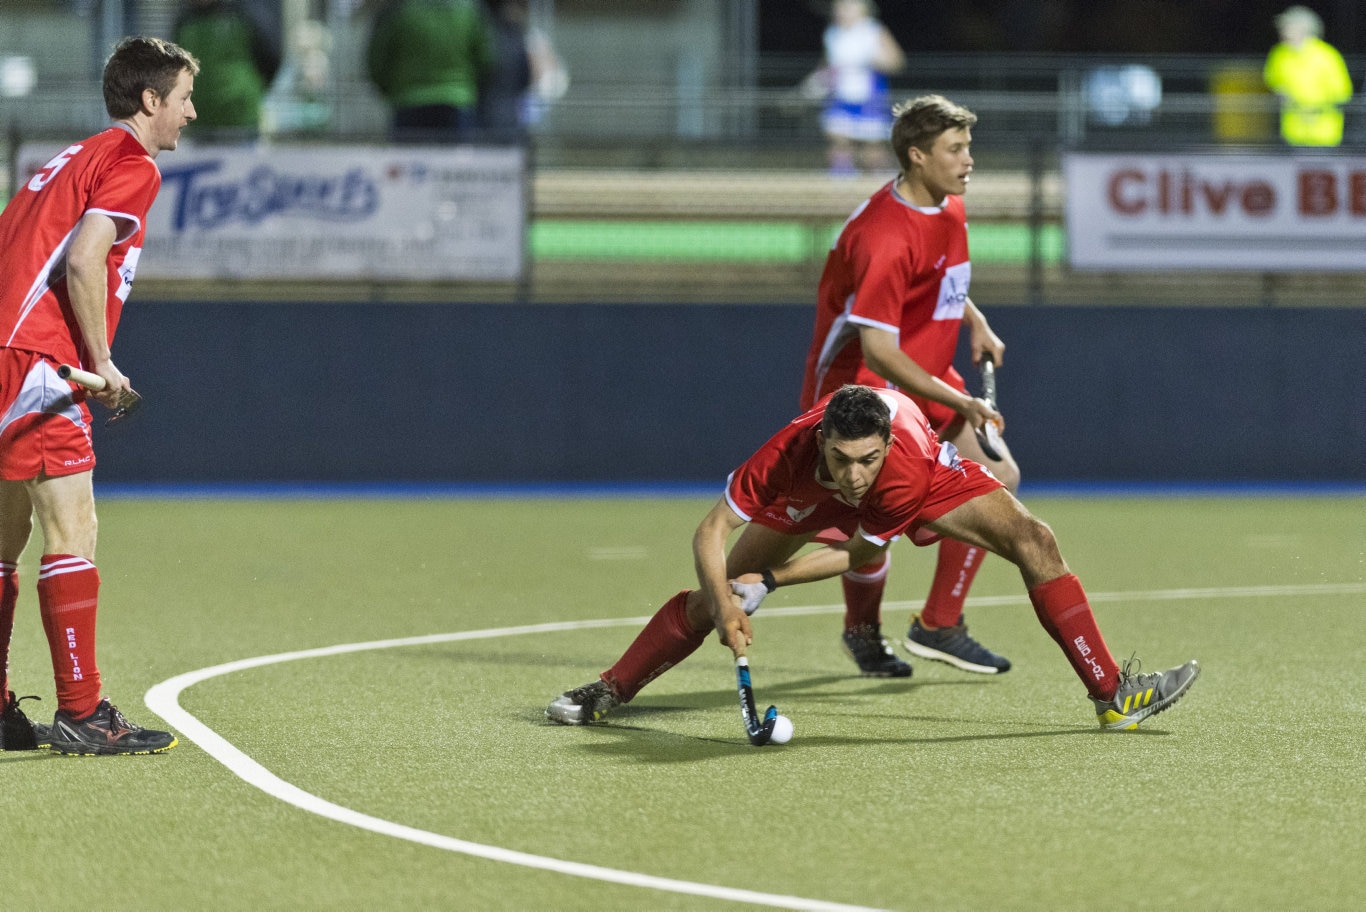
x,y
1066,614
9,597
953,575
666,640
68,592
863,593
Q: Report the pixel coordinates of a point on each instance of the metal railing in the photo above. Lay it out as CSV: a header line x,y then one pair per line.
x,y
1042,98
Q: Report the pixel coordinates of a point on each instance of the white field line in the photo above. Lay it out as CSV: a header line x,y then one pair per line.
x,y
164,700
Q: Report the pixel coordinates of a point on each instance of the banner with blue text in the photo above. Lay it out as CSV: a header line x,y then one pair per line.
x,y
422,213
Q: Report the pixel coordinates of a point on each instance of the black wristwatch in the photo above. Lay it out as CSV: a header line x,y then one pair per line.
x,y
769,582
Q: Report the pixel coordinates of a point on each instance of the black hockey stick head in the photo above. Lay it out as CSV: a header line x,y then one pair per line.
x,y
758,730
989,436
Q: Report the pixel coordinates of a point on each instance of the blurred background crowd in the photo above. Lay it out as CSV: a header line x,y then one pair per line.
x,y
661,80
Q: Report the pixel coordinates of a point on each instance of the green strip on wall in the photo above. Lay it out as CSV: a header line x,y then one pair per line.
x,y
750,242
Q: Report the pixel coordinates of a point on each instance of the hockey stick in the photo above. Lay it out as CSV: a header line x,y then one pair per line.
x,y
759,730
989,437
129,401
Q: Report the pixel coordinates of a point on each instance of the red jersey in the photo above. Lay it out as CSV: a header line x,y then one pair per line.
x,y
110,173
895,267
779,487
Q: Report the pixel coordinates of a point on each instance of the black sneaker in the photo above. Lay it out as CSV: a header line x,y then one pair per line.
x,y
953,646
583,705
870,650
106,731
17,733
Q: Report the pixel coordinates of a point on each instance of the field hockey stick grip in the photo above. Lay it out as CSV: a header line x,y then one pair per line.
x,y
82,377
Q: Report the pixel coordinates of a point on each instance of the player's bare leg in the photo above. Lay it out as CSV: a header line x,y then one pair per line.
x,y
1002,525
16,524
939,632
65,506
68,594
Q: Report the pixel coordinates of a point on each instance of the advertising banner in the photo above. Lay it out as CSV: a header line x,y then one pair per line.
x,y
421,213
1266,213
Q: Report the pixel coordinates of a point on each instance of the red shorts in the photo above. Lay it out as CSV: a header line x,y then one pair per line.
x,y
956,481
44,421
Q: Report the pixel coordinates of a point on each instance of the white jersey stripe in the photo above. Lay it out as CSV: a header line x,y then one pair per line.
x,y
843,330
730,502
46,278
120,218
44,393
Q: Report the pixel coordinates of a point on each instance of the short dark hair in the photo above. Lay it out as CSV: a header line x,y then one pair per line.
x,y
856,412
920,121
140,63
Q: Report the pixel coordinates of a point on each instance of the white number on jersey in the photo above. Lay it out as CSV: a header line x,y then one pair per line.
x,y
49,171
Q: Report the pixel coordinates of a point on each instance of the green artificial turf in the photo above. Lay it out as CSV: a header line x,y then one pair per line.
x,y
945,791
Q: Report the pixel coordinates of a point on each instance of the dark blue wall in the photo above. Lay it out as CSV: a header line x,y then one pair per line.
x,y
601,393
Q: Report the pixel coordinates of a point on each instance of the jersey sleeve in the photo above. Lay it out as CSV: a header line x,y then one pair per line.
x,y
126,192
760,480
880,267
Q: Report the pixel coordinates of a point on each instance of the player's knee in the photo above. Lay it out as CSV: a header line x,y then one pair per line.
x,y
1037,547
695,610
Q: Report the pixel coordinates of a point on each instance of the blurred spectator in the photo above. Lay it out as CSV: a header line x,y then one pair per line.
x,y
526,74
427,58
859,54
301,100
238,58
1310,77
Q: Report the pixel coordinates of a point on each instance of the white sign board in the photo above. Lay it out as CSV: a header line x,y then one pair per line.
x,y
1268,213
333,212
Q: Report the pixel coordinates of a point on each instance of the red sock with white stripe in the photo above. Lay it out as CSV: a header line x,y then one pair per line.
x,y
9,597
1065,613
957,565
68,592
666,640
863,587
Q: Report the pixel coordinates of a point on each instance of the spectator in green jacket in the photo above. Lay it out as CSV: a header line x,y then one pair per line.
x,y
1309,75
427,57
238,59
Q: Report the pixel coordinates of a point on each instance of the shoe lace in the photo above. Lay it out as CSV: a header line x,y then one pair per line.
x,y
12,707
867,637
1132,672
118,722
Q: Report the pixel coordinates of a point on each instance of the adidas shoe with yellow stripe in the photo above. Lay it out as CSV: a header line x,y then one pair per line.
x,y
1142,695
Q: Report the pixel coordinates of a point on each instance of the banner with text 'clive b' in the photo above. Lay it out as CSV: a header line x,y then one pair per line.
x,y
1294,212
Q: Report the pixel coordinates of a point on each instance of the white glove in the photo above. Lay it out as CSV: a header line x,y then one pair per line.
x,y
751,595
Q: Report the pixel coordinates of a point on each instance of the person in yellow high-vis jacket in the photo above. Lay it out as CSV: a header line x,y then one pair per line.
x,y
1311,78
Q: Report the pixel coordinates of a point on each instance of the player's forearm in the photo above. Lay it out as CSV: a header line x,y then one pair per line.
x,y
884,357
908,376
87,295
709,554
823,563
87,283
